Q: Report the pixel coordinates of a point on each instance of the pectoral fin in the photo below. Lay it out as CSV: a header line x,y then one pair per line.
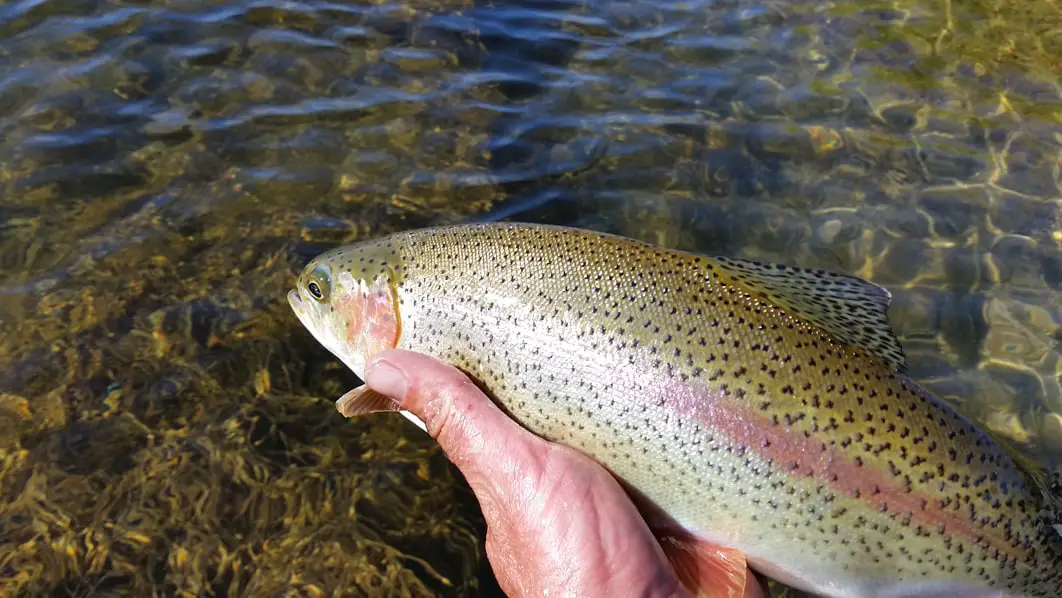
x,y
708,571
363,400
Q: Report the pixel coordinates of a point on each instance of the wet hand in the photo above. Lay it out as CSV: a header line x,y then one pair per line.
x,y
557,522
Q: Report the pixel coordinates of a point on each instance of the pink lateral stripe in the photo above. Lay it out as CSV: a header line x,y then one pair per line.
x,y
813,457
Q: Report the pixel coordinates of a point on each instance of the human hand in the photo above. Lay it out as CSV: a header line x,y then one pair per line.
x,y
557,522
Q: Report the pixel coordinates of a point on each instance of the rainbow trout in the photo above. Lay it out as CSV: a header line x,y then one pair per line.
x,y
760,409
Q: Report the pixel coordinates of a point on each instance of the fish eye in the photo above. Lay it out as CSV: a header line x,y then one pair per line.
x,y
318,286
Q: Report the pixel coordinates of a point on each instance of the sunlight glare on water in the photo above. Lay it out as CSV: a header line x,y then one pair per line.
x,y
167,167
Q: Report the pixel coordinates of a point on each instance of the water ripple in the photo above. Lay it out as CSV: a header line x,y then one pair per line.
x,y
166,166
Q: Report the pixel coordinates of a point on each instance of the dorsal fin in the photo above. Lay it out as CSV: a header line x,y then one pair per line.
x,y
852,310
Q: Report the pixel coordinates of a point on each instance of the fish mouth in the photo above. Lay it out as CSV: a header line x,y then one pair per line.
x,y
303,312
294,299
296,303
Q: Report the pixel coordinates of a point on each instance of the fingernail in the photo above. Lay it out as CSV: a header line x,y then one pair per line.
x,y
386,379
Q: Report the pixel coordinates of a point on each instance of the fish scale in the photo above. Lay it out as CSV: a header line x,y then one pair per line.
x,y
762,407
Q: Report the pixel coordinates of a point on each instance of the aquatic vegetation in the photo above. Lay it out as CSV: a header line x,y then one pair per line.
x,y
167,168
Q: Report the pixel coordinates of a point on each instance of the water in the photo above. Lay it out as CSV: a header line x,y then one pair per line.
x,y
166,168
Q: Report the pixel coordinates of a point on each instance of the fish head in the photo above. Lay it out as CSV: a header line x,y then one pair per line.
x,y
347,299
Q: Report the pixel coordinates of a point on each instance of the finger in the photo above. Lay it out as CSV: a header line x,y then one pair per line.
x,y
503,463
495,454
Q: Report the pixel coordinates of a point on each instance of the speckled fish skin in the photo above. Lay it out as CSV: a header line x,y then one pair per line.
x,y
763,408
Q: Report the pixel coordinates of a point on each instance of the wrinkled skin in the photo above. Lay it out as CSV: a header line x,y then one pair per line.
x,y
557,522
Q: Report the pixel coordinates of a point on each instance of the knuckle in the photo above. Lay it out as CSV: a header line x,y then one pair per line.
x,y
446,404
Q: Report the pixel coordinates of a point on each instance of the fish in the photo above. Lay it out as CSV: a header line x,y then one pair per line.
x,y
758,413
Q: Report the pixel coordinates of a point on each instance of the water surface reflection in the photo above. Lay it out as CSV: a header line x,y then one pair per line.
x,y
166,167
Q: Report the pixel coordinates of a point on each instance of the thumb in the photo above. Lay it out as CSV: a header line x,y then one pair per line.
x,y
494,453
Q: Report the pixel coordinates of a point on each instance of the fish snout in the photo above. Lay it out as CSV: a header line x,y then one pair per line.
x,y
295,300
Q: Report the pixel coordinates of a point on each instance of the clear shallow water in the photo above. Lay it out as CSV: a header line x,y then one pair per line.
x,y
166,168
